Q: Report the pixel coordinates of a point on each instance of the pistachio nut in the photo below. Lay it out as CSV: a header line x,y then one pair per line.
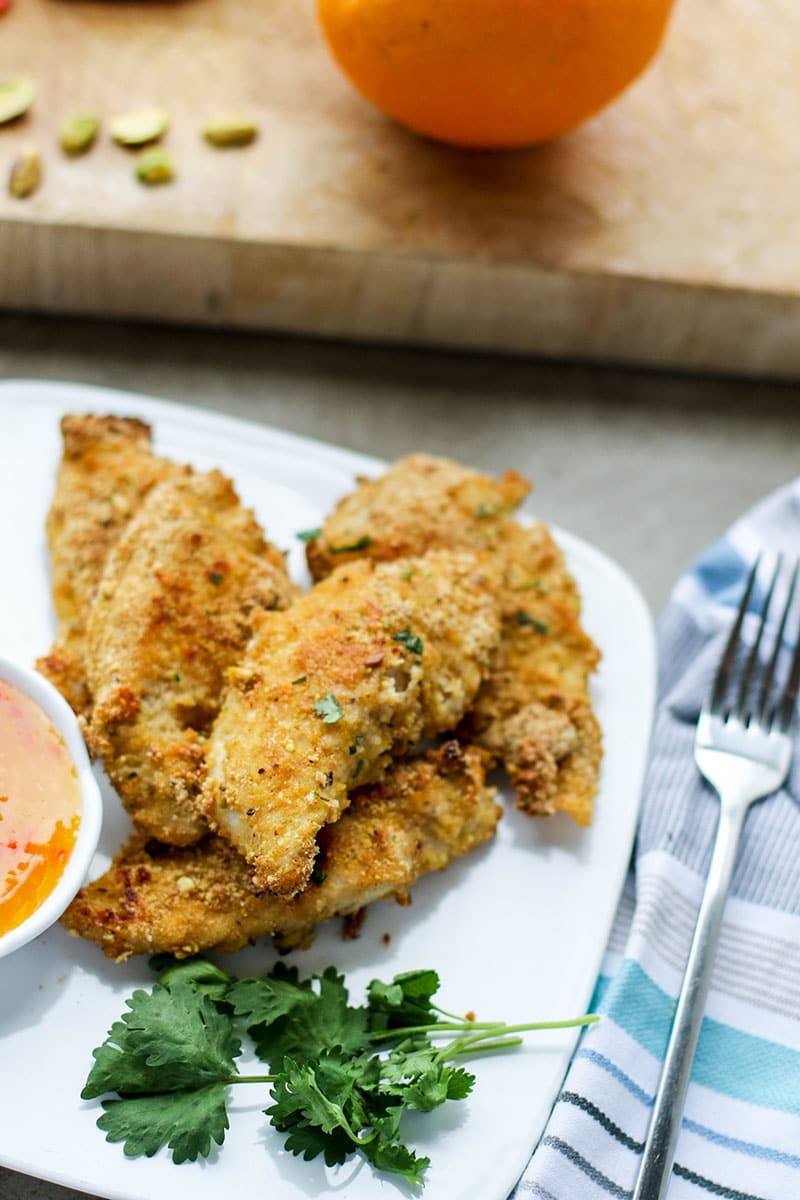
x,y
78,132
139,128
154,167
26,173
230,129
16,97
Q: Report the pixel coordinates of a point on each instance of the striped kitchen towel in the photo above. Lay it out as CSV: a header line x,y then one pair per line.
x,y
740,1137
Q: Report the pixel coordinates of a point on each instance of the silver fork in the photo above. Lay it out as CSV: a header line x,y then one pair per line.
x,y
743,749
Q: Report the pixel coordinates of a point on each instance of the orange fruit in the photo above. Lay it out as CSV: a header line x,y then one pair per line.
x,y
493,73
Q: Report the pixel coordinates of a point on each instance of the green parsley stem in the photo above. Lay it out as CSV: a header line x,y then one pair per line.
x,y
457,1047
439,1027
482,1029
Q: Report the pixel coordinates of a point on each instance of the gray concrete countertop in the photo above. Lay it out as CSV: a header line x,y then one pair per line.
x,y
649,467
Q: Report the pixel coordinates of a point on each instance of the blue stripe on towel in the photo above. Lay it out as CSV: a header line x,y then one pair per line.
x,y
766,1073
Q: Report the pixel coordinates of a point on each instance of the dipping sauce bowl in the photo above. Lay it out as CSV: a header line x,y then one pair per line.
x,y
50,806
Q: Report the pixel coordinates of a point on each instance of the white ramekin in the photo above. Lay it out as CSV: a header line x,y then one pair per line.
x,y
59,712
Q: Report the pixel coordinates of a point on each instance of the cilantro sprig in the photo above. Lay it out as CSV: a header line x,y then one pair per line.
x,y
342,1076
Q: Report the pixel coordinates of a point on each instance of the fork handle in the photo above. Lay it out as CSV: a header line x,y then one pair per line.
x,y
665,1122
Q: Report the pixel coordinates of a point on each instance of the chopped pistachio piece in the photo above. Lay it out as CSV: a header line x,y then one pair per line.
x,y
26,173
139,128
230,129
78,133
155,167
16,97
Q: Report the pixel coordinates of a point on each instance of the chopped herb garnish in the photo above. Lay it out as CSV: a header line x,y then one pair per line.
x,y
359,768
300,679
408,574
361,544
328,708
216,578
488,510
358,742
535,585
318,875
308,535
524,618
342,1076
177,678
412,643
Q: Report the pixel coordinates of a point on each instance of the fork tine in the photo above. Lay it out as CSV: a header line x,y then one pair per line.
x,y
722,678
752,658
785,710
769,675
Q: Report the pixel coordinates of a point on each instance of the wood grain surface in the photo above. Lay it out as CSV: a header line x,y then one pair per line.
x,y
665,231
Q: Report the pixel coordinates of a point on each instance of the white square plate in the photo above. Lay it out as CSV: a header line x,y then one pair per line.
x,y
516,931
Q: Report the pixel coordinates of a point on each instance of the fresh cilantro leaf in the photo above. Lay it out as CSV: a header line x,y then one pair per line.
x,y
326,1022
170,1040
412,643
287,1018
308,535
328,708
186,1122
397,1159
116,1071
418,985
361,544
406,1001
440,1082
200,973
298,1091
524,618
263,1001
308,1140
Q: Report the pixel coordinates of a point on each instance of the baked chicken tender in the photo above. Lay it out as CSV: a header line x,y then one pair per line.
x,y
426,813
174,610
533,713
369,662
106,471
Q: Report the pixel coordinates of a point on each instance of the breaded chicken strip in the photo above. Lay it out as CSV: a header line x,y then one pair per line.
x,y
155,898
359,669
421,503
106,471
533,713
173,611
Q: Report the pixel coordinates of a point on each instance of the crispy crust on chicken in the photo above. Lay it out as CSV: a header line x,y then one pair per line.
x,y
421,503
106,471
533,712
363,666
173,611
154,898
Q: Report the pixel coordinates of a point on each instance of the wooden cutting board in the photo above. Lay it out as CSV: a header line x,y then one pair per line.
x,y
666,231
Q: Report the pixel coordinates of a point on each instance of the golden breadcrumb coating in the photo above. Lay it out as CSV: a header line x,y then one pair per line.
x,y
421,503
173,611
370,661
155,898
533,712
106,471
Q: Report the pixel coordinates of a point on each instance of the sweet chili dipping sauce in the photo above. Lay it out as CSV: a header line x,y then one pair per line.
x,y
40,806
